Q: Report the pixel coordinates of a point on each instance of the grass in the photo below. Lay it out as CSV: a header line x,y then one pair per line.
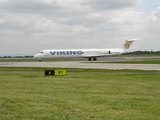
x,y
31,59
140,61
132,60
84,94
129,59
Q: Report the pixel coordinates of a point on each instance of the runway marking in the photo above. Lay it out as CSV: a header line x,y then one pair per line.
x,y
75,64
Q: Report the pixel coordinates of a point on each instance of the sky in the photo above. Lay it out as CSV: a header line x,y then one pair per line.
x,y
27,27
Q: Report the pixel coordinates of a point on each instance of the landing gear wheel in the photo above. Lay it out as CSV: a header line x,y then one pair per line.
x,y
39,60
89,59
94,59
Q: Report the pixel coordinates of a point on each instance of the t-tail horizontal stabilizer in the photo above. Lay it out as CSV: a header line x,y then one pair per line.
x,y
128,43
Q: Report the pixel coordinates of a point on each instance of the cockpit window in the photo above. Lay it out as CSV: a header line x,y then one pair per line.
x,y
41,52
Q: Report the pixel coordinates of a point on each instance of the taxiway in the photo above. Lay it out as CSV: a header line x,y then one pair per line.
x,y
78,64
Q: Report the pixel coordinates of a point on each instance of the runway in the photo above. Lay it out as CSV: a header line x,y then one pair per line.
x,y
82,64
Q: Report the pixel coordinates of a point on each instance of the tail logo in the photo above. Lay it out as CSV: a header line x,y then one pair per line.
x,y
126,45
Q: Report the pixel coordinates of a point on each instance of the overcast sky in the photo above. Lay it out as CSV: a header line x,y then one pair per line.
x,y
26,26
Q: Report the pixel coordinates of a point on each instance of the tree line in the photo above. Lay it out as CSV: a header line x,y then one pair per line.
x,y
143,53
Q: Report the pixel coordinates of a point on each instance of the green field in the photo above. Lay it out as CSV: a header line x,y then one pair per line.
x,y
31,59
84,94
137,61
125,59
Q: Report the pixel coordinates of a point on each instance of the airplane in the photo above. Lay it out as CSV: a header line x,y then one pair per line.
x,y
90,54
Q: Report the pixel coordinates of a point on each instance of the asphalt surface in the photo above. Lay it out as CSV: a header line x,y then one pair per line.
x,y
82,64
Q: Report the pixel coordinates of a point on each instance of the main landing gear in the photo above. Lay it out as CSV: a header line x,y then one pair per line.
x,y
90,59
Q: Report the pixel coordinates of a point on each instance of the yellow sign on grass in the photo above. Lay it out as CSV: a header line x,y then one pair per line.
x,y
60,72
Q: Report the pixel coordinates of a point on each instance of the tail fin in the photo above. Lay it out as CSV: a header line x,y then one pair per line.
x,y
128,43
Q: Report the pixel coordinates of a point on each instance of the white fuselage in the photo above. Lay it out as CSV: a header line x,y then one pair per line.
x,y
84,53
